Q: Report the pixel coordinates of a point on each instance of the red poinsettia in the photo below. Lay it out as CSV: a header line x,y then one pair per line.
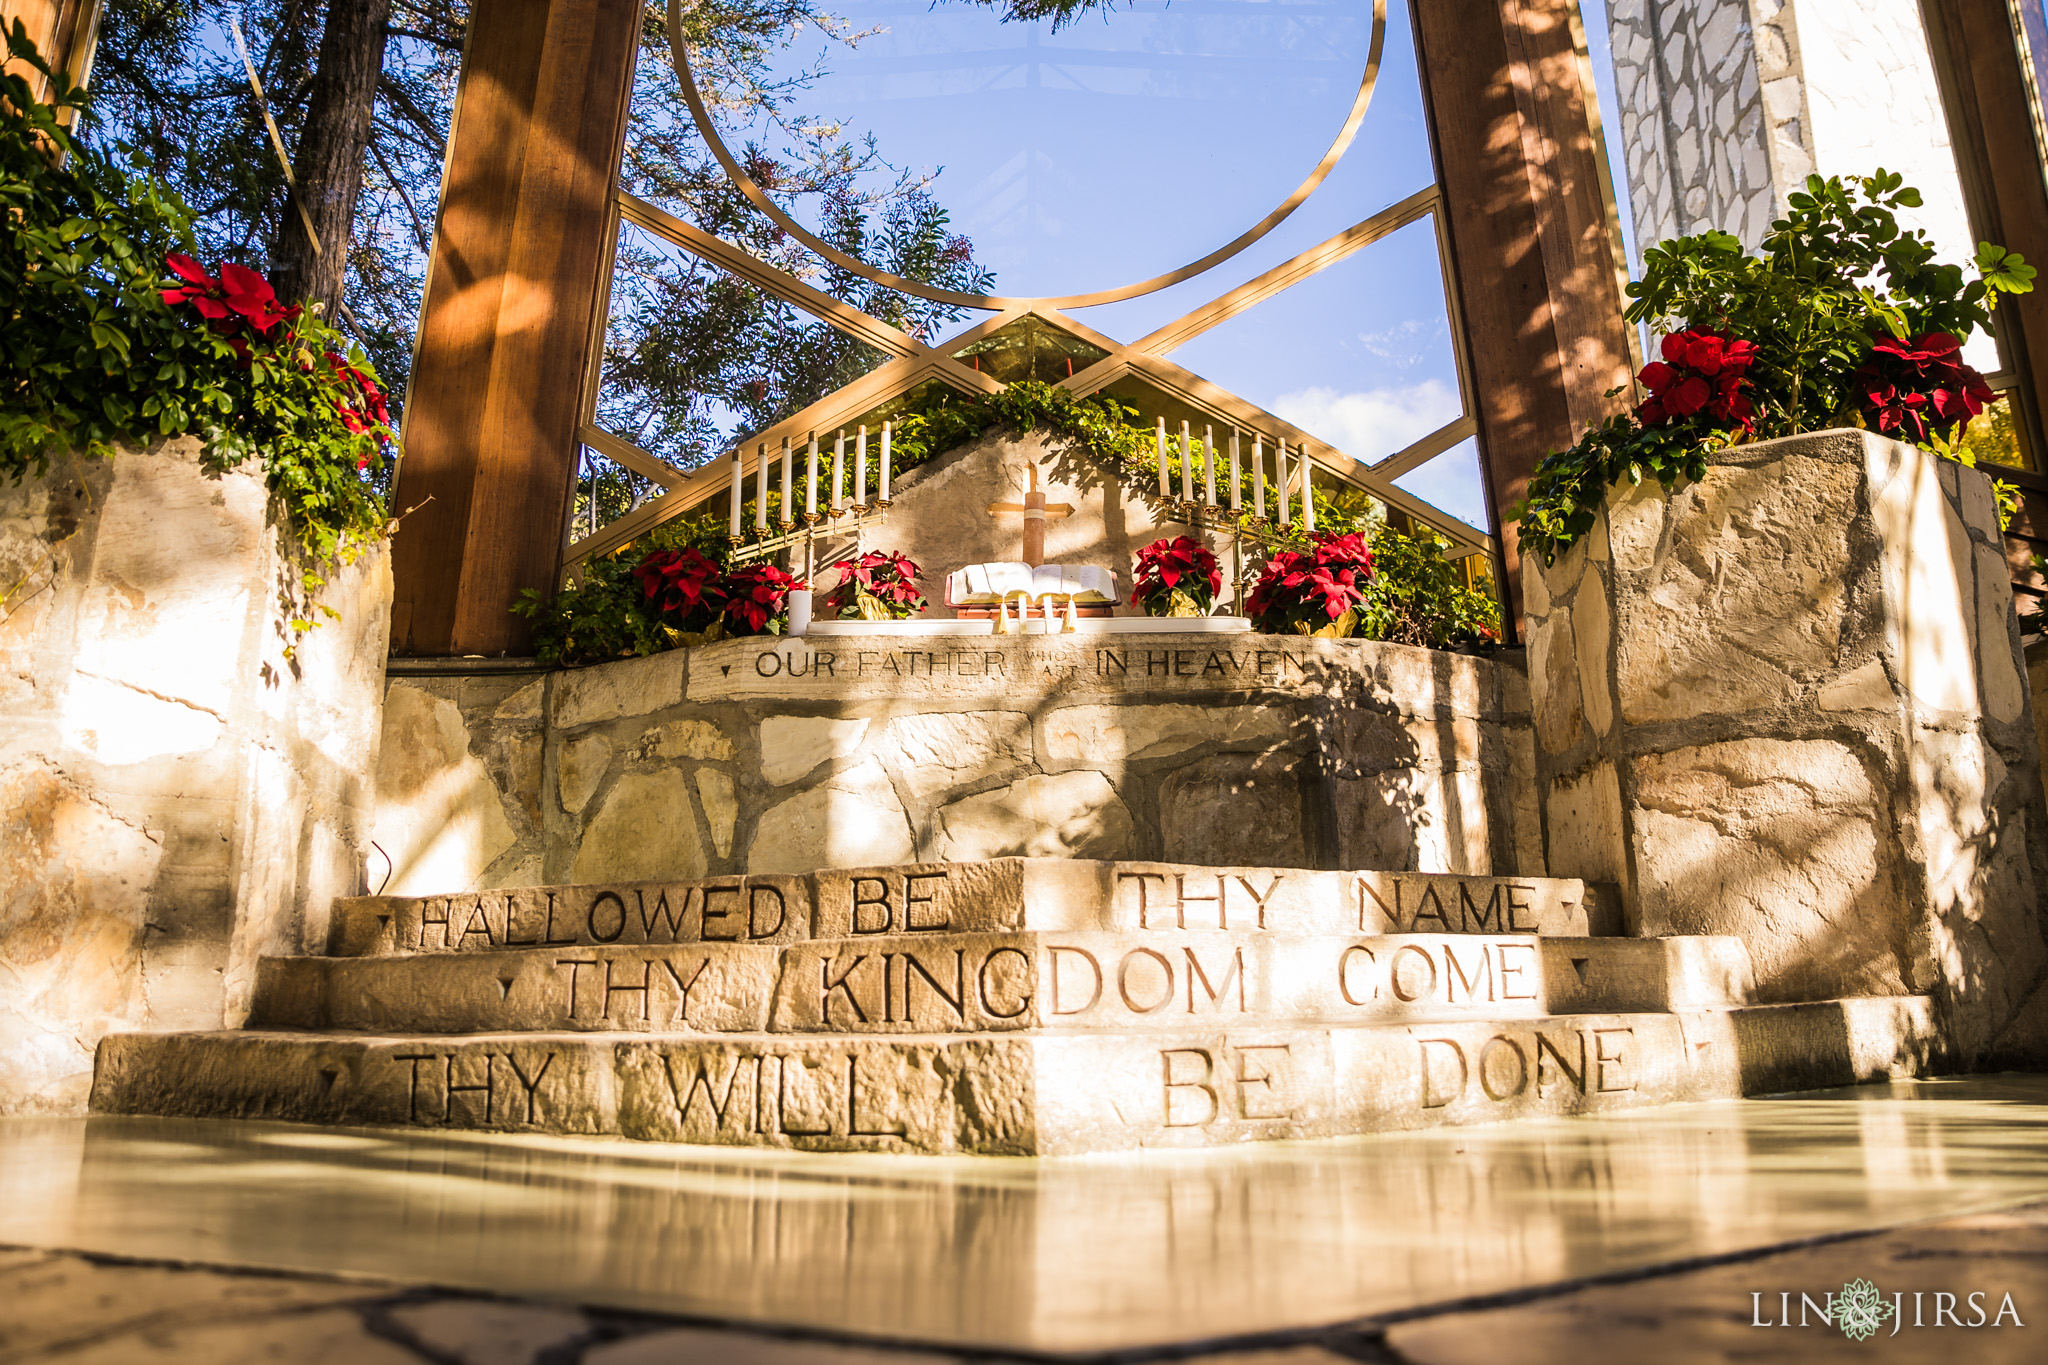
x,y
1182,565
1701,374
683,587
1913,388
1302,592
240,299
756,594
890,580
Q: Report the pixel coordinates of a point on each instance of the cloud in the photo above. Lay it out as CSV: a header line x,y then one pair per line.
x,y
1371,424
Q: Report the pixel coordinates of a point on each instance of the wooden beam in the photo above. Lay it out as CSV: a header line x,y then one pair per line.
x,y
63,31
491,431
1533,244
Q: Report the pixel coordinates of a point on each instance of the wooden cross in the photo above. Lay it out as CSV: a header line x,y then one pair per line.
x,y
1035,512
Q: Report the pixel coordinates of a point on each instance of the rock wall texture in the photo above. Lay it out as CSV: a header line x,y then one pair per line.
x,y
1788,703
787,755
179,799
1728,105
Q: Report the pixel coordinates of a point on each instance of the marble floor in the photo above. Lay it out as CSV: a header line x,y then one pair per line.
x,y
1264,1247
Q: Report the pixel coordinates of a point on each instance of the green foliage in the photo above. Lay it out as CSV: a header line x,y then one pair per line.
x,y
1417,597
92,354
1833,275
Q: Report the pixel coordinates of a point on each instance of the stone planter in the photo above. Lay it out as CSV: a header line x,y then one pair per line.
x,y
179,800
1787,703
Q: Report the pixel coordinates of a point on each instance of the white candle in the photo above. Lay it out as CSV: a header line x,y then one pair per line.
x,y
1187,465
1165,488
860,469
1280,478
838,472
761,488
885,462
732,530
1209,465
1308,492
788,496
811,479
1236,494
1258,476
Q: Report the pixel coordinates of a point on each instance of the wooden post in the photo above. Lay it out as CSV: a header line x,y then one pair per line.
x,y
62,30
1534,242
490,434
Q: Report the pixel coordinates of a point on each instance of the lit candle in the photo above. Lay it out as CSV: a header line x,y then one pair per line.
x,y
1308,492
1187,465
788,499
839,472
761,488
732,530
860,469
1209,465
1258,476
1165,488
885,462
1236,493
811,479
1280,478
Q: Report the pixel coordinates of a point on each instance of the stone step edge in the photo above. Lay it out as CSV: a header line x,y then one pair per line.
x,y
1004,983
999,894
953,1094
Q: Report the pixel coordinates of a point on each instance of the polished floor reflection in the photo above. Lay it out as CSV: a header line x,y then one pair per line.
x,y
1062,1255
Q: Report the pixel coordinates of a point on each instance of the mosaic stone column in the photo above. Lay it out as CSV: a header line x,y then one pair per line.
x,y
1787,703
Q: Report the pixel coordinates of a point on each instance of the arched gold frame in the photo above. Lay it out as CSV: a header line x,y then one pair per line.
x,y
998,302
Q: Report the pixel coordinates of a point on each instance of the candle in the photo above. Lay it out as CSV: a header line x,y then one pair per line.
x,y
788,500
885,462
1165,488
761,488
1258,476
732,530
1209,465
1236,493
811,480
838,472
1187,465
1308,492
1280,478
860,470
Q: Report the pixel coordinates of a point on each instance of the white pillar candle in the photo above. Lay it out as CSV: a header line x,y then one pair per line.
x,y
761,488
733,527
788,484
1258,476
1209,465
1308,492
860,469
885,462
1165,488
811,479
1280,478
1187,465
1236,493
838,472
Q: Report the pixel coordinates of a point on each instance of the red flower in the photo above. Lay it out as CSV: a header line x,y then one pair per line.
x,y
890,579
1309,589
1914,388
682,587
757,594
1164,565
239,300
1701,372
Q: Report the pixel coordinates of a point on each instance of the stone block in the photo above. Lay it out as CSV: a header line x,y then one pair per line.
x,y
945,749
646,828
1097,734
853,820
750,909
618,690
1641,975
439,817
792,746
1063,815
1235,809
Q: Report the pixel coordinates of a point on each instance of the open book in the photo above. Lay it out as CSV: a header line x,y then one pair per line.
x,y
986,584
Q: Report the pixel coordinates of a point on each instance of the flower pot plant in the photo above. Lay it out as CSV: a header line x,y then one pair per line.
x,y
1177,577
1318,591
877,586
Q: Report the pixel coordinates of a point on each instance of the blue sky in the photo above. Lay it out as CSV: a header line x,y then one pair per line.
x,y
1129,144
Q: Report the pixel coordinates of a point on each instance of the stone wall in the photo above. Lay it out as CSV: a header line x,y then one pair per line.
x,y
1728,105
180,799
1787,703
776,755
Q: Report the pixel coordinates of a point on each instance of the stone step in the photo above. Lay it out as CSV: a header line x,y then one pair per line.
x,y
1037,1093
1004,894
1160,980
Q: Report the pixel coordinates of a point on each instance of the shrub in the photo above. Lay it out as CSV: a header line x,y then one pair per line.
x,y
1175,577
1318,591
878,586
